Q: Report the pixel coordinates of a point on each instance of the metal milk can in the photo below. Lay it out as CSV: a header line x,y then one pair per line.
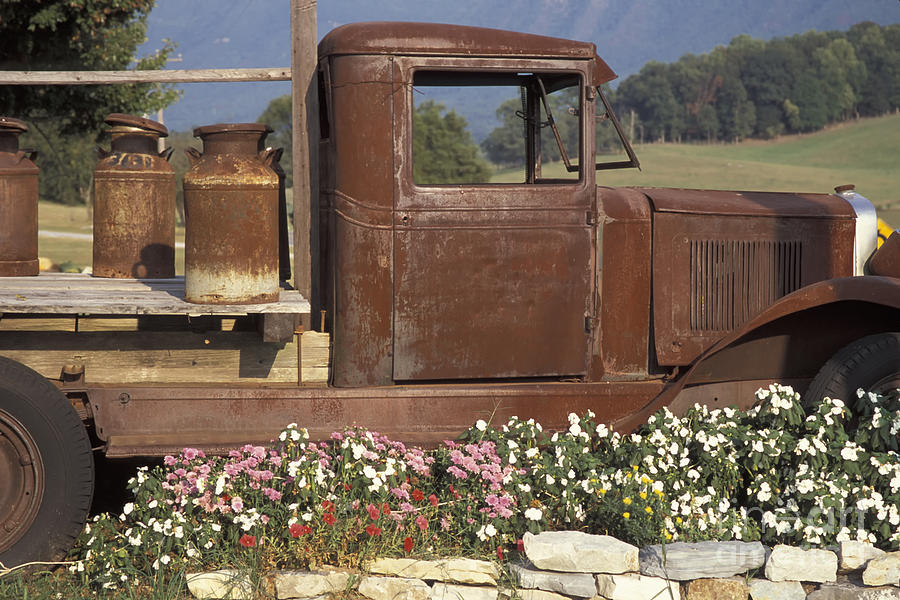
x,y
231,217
134,202
18,203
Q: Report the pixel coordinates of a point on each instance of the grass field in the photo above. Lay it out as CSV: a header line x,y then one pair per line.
x,y
865,153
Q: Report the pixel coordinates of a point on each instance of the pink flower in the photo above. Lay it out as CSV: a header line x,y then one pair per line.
x,y
237,505
169,461
190,453
422,522
373,511
272,494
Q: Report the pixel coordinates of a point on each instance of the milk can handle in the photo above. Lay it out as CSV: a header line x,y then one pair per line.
x,y
193,155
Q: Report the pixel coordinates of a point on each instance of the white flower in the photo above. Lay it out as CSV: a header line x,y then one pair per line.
x,y
480,425
128,508
575,429
602,430
220,485
549,479
531,452
370,472
152,504
849,452
534,514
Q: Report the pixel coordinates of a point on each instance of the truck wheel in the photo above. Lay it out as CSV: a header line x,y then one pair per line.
x,y
46,468
871,363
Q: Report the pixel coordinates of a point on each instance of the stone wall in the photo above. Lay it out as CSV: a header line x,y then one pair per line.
x,y
572,565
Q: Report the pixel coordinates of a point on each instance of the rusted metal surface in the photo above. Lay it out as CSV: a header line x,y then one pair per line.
x,y
134,203
22,474
160,420
439,39
357,195
623,276
231,217
886,261
720,258
790,339
18,203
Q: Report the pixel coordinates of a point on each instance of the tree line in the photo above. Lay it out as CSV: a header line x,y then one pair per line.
x,y
762,89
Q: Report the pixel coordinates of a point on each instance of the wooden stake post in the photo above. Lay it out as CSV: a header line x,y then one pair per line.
x,y
305,117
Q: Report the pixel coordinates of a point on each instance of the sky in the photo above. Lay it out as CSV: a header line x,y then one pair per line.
x,y
628,33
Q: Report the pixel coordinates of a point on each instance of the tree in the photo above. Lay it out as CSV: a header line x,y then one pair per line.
x,y
505,145
279,116
75,35
443,149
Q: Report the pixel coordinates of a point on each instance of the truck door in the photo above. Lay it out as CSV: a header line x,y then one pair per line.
x,y
492,266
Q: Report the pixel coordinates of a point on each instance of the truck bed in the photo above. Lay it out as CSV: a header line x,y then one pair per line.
x,y
142,331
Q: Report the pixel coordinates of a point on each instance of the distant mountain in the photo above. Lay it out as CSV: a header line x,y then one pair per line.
x,y
628,33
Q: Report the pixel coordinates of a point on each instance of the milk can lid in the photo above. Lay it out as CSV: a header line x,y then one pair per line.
x,y
232,128
138,122
13,125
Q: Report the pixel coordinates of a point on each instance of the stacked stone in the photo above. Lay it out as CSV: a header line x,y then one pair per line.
x,y
571,565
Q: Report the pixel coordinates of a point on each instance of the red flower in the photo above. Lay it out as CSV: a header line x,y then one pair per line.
x,y
248,541
372,530
408,544
329,518
433,499
297,530
328,506
346,487
520,545
373,512
500,552
417,495
385,509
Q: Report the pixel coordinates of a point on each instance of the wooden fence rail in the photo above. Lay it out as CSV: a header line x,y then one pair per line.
x,y
163,76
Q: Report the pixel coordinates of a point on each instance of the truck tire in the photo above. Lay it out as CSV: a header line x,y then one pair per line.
x,y
871,363
46,468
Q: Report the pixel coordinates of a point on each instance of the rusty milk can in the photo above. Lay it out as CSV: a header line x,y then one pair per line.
x,y
134,203
18,203
231,217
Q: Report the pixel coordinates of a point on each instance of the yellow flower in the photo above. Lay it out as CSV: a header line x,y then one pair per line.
x,y
643,495
648,510
668,536
678,520
626,515
634,467
602,492
659,493
626,501
645,480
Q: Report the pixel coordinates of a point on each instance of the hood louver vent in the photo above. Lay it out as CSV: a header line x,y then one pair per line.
x,y
732,281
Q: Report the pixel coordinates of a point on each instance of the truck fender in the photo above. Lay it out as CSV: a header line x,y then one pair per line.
x,y
792,339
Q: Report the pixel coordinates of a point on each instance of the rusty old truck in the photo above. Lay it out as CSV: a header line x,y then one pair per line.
x,y
434,304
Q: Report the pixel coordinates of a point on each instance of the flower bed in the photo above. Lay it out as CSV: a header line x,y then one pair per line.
x,y
772,474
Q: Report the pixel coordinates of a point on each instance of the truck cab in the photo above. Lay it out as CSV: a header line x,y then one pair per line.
x,y
547,274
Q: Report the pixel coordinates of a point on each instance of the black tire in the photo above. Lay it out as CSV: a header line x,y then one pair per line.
x,y
46,468
871,363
